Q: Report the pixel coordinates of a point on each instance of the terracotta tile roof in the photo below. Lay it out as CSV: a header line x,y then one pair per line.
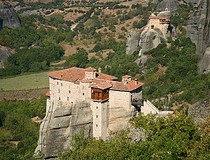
x,y
119,86
75,74
132,85
71,74
102,81
105,76
47,93
102,85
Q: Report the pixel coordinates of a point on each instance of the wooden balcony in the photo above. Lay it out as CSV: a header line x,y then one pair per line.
x,y
99,95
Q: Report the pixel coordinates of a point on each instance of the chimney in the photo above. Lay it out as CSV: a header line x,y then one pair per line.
x,y
126,79
90,73
99,69
136,82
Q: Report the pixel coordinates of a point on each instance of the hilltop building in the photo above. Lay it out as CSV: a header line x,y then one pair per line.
x,y
102,91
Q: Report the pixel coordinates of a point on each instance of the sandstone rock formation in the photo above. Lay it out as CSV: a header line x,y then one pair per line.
x,y
132,41
170,5
5,52
58,128
8,17
199,32
200,111
152,35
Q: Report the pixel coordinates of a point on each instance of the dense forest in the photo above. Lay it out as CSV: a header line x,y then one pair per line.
x,y
18,133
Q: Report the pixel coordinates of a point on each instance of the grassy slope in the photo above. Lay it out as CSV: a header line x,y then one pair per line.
x,y
31,81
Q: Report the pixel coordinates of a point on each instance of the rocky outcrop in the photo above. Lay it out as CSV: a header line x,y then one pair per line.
x,y
132,41
169,5
150,39
199,32
5,52
152,35
59,126
200,111
8,17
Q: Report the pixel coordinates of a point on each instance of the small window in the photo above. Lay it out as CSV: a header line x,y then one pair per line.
x,y
61,84
58,90
67,98
96,125
96,116
59,98
57,83
83,94
69,91
96,107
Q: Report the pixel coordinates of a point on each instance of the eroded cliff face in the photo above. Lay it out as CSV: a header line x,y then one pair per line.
x,y
171,5
151,36
8,17
199,32
200,111
59,126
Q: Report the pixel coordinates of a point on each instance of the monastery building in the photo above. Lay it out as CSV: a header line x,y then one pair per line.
x,y
103,92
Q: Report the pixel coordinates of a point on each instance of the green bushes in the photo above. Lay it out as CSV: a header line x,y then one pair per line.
x,y
161,138
16,125
181,75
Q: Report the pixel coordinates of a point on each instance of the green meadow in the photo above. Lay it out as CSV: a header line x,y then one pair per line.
x,y
29,81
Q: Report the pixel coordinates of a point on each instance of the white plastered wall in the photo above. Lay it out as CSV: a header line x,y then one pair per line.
x,y
100,118
120,99
64,91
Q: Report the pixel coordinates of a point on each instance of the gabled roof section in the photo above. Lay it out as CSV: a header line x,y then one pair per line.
x,y
105,76
102,85
75,74
71,74
102,81
132,85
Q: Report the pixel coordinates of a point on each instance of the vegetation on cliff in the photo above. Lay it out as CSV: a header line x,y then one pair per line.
x,y
165,138
18,133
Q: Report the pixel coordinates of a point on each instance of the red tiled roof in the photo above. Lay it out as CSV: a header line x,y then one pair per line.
x,y
71,74
132,85
77,74
102,81
102,85
105,76
47,93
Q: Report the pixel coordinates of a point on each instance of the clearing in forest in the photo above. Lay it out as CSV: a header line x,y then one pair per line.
x,y
30,81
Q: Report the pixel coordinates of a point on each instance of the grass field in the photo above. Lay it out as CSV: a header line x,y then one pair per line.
x,y
30,81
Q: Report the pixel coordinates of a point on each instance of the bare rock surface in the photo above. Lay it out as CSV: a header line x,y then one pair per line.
x,y
58,128
200,111
132,41
8,17
199,32
170,5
